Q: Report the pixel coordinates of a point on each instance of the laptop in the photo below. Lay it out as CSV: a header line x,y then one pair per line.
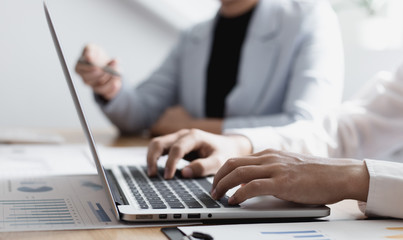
x,y
135,197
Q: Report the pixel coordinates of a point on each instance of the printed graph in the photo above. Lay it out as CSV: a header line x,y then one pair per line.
x,y
34,186
38,212
399,236
54,203
99,212
305,235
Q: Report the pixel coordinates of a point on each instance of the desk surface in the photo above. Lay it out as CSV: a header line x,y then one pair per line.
x,y
345,210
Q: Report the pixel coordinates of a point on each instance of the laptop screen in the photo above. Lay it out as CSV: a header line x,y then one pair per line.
x,y
80,111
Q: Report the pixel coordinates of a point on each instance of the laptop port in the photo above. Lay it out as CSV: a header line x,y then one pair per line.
x,y
194,215
163,216
177,216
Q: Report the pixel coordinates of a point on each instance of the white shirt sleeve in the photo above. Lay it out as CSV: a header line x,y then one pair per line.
x,y
367,126
302,136
385,196
370,125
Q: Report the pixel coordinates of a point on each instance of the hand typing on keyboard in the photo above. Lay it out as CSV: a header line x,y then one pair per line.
x,y
211,150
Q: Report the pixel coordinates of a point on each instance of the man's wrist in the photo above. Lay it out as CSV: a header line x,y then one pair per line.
x,y
357,183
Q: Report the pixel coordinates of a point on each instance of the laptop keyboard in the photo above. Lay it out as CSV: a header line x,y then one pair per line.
x,y
177,193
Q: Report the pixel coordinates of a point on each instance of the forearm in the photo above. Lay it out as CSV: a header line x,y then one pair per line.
x,y
212,125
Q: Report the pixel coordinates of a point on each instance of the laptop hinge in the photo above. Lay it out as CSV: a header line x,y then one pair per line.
x,y
117,193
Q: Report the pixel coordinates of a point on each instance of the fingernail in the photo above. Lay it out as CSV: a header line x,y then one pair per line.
x,y
214,193
231,200
166,173
187,172
148,171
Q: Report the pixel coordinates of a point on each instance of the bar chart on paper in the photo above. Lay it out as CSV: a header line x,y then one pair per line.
x,y
316,230
38,212
46,213
55,203
395,229
301,234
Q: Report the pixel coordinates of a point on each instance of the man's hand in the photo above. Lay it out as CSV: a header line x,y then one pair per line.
x,y
212,151
92,67
292,177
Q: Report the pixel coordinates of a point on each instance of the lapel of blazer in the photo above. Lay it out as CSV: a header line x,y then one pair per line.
x,y
265,22
196,66
259,54
256,57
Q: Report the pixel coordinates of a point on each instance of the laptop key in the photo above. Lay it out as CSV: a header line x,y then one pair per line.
x,y
193,204
207,186
143,205
140,200
159,206
208,201
178,186
176,205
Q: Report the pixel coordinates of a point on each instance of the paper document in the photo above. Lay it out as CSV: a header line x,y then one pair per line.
x,y
48,187
40,160
52,203
333,230
21,136
57,203
53,160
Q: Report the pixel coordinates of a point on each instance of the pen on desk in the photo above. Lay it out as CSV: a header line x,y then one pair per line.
x,y
198,235
107,69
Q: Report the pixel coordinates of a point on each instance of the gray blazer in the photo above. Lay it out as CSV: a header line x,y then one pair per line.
x,y
291,68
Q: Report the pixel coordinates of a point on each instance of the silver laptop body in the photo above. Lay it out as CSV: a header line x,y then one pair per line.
x,y
128,188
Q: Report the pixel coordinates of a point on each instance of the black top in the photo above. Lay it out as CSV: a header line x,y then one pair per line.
x,y
222,71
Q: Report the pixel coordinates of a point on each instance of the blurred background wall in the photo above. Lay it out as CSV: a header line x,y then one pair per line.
x,y
33,92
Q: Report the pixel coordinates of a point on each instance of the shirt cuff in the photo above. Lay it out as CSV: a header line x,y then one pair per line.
x,y
385,194
116,102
